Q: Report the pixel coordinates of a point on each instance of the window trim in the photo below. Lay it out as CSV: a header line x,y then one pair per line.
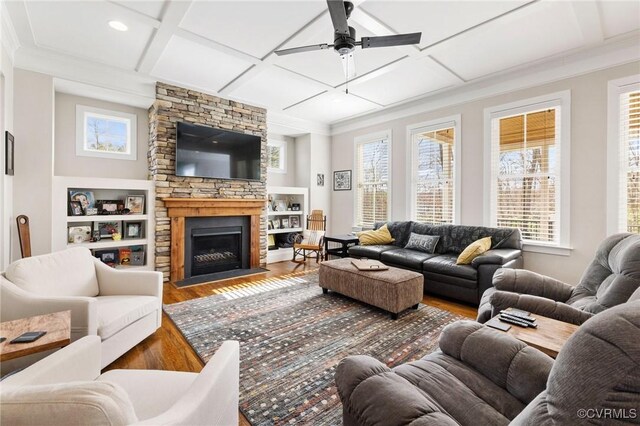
x,y
614,89
560,99
283,156
454,121
81,113
359,140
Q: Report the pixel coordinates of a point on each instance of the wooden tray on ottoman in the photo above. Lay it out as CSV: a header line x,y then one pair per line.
x,y
393,290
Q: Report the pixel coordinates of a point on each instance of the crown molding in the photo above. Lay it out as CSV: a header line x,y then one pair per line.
x,y
292,126
9,37
614,52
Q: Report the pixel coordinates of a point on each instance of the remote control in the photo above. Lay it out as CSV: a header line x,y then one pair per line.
x,y
518,315
513,321
529,323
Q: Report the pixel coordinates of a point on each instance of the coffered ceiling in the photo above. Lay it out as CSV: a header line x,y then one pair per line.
x,y
226,47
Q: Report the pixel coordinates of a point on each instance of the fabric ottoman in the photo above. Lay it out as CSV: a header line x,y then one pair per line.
x,y
393,290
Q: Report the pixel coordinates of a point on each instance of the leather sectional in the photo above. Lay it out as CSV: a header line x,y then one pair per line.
x,y
442,276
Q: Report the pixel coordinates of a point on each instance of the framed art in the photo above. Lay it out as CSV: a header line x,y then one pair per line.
x,y
320,179
294,221
85,198
285,223
109,206
79,234
281,205
107,229
342,180
8,154
133,230
137,257
75,208
106,134
110,257
135,204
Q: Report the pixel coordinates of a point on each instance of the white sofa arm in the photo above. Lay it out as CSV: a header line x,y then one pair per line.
x,y
16,303
213,397
113,282
80,361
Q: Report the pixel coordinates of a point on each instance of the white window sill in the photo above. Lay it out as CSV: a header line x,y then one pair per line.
x,y
532,247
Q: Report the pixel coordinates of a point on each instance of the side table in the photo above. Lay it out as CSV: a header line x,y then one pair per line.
x,y
345,241
57,326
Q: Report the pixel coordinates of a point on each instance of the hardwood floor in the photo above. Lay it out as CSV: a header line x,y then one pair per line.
x,y
167,349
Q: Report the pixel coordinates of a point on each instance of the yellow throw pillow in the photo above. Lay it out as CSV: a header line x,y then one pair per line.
x,y
474,250
379,236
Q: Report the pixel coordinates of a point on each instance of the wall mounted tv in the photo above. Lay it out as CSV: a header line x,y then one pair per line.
x,y
203,151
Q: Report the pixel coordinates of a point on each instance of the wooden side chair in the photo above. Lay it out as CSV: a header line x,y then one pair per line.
x,y
312,239
24,235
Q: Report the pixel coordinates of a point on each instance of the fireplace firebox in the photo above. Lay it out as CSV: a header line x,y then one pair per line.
x,y
215,245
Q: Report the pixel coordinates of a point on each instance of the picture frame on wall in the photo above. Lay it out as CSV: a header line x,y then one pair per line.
x,y
342,180
9,154
320,179
135,204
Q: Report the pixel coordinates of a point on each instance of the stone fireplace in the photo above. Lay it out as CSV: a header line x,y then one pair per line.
x,y
174,104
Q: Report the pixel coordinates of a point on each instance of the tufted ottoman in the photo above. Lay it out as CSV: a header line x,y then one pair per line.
x,y
393,290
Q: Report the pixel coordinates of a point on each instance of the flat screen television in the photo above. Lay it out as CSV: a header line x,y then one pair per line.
x,y
203,151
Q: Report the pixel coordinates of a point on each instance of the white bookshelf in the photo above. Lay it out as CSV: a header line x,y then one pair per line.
x,y
291,195
105,189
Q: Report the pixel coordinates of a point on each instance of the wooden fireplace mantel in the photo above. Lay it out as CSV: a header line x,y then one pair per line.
x,y
180,208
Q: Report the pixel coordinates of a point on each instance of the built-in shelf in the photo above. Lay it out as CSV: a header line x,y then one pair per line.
x,y
111,243
287,213
107,218
283,230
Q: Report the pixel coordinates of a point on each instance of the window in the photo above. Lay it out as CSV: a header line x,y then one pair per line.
x,y
372,171
624,155
106,134
277,156
435,185
528,161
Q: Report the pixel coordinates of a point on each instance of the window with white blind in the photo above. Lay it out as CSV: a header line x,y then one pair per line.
x,y
624,155
435,189
372,173
528,162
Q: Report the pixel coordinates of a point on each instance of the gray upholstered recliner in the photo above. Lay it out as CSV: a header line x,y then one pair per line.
x,y
610,279
484,376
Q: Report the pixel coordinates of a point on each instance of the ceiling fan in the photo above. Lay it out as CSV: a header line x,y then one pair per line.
x,y
345,38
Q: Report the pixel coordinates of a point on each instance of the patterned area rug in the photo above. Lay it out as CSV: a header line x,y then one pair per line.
x,y
292,337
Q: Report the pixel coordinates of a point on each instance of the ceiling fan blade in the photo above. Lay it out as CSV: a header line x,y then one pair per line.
x,y
392,40
348,65
303,49
338,16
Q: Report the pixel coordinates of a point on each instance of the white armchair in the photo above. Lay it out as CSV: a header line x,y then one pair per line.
x,y
67,388
121,307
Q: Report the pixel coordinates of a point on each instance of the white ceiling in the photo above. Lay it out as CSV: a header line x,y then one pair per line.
x,y
226,47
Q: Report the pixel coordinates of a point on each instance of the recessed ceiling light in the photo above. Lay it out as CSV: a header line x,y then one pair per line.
x,y
118,26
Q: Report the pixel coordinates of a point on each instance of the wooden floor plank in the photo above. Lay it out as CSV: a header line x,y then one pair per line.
x,y
167,349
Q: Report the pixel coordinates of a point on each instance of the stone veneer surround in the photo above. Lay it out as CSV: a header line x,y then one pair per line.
x,y
174,104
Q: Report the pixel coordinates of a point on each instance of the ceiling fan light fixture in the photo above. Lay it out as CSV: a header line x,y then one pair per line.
x,y
118,26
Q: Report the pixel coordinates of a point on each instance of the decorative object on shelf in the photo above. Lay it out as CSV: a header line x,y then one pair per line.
x,y
8,153
105,133
281,205
110,257
84,232
107,229
320,179
342,180
271,242
135,204
295,207
132,230
285,222
91,211
109,206
85,197
270,224
294,221
276,224
75,208
96,236
116,236
137,256
269,206
125,256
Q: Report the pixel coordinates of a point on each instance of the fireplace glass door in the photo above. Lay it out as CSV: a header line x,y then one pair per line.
x,y
216,249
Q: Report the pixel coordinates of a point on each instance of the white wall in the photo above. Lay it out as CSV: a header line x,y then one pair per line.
x,y
6,182
288,178
588,166
33,131
303,157
68,164
320,162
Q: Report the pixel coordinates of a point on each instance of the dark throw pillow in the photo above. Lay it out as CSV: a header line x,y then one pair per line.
x,y
424,243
